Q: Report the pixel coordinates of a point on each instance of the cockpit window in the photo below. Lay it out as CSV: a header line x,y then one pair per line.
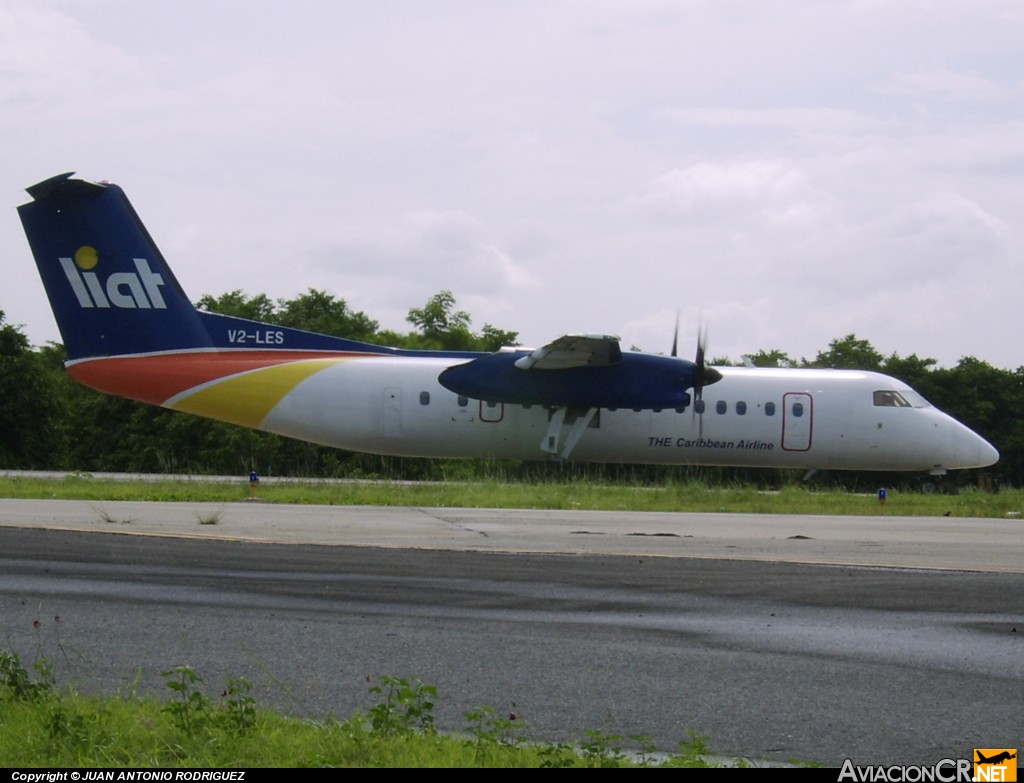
x,y
915,399
890,399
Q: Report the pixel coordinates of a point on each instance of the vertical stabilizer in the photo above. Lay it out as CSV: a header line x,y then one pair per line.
x,y
111,291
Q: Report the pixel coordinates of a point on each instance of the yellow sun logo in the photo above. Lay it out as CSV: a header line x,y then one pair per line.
x,y
86,257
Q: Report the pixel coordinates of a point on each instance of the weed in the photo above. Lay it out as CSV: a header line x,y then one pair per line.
x,y
408,706
110,519
559,755
693,752
239,715
191,711
68,728
211,518
18,684
487,728
46,726
645,749
603,750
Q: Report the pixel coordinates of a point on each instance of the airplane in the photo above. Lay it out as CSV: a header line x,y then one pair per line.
x,y
999,758
130,330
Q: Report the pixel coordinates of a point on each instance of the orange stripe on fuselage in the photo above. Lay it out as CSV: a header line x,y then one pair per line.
x,y
155,379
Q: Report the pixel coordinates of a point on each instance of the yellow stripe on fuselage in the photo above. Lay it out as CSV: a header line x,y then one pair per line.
x,y
247,398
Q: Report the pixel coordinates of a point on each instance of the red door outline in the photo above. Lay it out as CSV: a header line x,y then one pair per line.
x,y
492,412
797,421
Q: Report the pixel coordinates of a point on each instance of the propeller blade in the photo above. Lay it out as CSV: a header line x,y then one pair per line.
x,y
698,381
702,376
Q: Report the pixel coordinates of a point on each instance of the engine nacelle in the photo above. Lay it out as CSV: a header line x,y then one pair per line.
x,y
639,381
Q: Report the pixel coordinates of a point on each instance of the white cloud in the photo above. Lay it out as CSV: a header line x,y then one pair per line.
x,y
796,119
772,192
946,85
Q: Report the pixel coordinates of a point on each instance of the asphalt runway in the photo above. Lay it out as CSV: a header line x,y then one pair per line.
x,y
884,640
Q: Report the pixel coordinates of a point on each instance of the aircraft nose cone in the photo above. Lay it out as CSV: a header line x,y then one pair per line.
x,y
987,453
973,451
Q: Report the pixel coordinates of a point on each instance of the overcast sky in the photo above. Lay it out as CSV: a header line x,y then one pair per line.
x,y
785,172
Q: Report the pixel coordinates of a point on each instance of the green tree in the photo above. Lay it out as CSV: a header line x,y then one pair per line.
x,y
849,353
443,327
313,311
492,338
913,370
236,303
438,317
772,358
319,311
31,415
980,395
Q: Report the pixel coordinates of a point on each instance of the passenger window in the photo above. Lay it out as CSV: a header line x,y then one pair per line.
x,y
798,409
721,406
698,406
769,409
424,398
463,401
741,408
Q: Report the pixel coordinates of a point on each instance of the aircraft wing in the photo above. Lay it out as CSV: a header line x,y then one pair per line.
x,y
575,371
573,350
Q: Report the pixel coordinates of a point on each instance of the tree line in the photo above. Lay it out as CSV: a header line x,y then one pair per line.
x,y
48,422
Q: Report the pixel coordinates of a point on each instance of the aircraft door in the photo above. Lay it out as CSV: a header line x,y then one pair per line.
x,y
797,421
492,412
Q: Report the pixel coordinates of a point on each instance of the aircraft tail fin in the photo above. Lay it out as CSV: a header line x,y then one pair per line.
x,y
110,288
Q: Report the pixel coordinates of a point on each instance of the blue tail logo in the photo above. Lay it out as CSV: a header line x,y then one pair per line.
x,y
127,290
111,290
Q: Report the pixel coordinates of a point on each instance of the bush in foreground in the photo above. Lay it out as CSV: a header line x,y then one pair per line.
x,y
44,725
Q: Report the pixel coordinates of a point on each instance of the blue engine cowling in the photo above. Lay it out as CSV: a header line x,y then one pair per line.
x,y
639,381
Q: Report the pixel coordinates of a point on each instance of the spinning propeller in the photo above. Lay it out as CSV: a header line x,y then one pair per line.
x,y
702,374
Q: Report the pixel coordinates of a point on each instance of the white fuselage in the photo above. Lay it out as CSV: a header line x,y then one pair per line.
x,y
828,419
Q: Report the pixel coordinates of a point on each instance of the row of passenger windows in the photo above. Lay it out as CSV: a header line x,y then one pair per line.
x,y
462,400
700,406
740,408
886,399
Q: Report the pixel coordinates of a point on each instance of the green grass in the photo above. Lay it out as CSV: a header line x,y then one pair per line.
x,y
693,496
43,725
